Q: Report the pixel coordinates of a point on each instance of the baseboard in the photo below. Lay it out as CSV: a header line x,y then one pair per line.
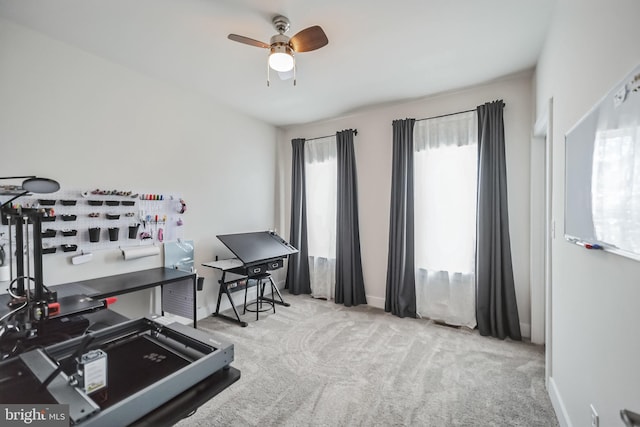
x,y
525,330
202,312
375,302
558,405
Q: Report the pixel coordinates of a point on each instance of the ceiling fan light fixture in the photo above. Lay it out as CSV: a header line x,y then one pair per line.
x,y
282,48
281,58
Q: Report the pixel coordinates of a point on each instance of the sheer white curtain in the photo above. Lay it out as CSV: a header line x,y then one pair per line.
x,y
321,188
445,177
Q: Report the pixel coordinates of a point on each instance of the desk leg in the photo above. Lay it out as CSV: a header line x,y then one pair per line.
x,y
161,301
195,301
243,324
219,298
224,289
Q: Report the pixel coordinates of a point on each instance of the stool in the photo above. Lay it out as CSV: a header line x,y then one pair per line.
x,y
260,299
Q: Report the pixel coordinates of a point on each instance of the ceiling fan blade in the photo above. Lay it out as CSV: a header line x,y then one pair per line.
x,y
309,39
249,41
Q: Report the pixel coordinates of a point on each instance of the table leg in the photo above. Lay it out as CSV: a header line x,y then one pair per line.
x,y
225,289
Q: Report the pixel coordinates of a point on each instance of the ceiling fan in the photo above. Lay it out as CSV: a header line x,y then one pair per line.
x,y
283,49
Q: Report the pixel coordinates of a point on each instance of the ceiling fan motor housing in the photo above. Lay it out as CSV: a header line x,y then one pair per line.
x,y
281,23
279,39
281,48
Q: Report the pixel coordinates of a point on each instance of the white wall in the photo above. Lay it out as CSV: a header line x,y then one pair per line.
x,y
90,123
373,146
595,342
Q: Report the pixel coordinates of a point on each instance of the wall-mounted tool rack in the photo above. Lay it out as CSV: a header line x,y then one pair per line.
x,y
78,221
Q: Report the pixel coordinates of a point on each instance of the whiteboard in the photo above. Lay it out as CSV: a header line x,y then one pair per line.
x,y
602,172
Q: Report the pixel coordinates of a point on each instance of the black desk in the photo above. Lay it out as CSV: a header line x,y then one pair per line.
x,y
104,287
77,296
69,304
121,284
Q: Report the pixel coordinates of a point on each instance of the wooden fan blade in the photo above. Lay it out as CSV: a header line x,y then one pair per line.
x,y
247,40
309,39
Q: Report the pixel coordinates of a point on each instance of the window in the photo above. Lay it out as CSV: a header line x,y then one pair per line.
x,y
445,187
321,172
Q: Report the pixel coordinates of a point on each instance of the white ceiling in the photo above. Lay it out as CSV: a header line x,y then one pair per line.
x,y
378,52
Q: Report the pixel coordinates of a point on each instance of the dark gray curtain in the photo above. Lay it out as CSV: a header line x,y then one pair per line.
x,y
349,279
496,308
298,265
401,280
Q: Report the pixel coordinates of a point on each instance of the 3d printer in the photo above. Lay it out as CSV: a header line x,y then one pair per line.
x,y
30,303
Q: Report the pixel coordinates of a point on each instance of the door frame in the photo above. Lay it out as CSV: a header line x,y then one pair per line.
x,y
543,133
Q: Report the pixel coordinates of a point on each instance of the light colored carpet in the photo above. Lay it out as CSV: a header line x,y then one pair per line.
x,y
317,363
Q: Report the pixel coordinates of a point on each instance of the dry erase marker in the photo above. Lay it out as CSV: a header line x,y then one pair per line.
x,y
589,245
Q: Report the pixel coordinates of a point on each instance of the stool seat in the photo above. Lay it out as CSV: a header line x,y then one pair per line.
x,y
258,306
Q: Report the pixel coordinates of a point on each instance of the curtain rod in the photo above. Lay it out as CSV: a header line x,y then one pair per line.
x,y
445,115
355,132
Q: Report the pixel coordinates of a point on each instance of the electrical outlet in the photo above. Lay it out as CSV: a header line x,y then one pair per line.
x,y
595,420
